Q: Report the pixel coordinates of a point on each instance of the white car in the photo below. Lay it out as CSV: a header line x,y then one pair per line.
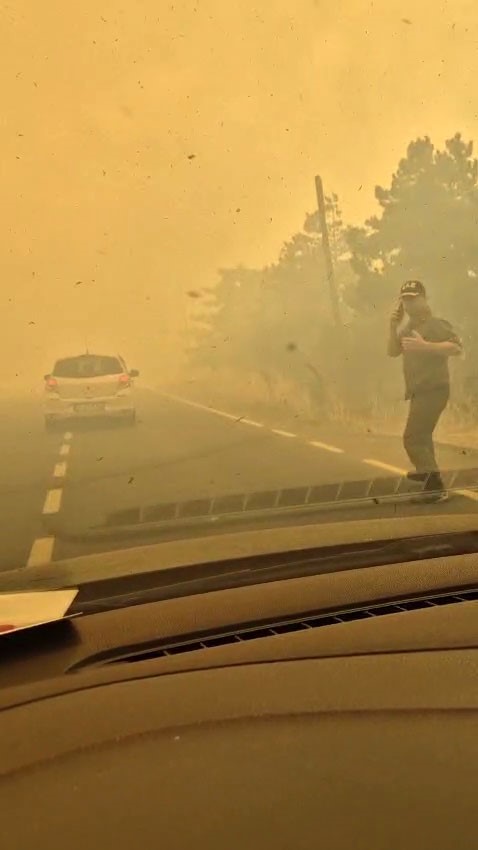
x,y
87,386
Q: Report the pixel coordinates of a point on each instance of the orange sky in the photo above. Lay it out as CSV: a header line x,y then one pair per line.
x,y
107,221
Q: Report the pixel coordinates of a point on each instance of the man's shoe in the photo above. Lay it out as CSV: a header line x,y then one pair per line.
x,y
431,498
434,483
436,498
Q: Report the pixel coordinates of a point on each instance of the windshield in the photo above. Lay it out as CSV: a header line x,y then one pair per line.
x,y
269,210
87,367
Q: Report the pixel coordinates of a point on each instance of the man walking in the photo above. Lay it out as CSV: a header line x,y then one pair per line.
x,y
425,343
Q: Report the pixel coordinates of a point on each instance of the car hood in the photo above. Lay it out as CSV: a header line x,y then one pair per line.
x,y
239,544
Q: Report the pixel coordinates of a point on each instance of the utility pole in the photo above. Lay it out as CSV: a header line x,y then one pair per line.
x,y
329,266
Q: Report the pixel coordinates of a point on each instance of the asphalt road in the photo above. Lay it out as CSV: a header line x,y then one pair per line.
x,y
54,487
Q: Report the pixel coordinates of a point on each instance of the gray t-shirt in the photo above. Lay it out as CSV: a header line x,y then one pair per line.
x,y
422,370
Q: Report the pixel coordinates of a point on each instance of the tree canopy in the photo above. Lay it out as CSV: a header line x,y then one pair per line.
x,y
270,318
277,320
427,229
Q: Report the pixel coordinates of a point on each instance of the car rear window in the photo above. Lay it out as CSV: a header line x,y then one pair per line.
x,y
87,366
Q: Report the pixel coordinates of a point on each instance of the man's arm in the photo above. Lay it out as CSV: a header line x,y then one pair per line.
x,y
394,347
450,345
449,348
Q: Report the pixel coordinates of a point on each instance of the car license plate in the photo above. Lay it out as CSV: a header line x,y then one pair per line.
x,y
89,408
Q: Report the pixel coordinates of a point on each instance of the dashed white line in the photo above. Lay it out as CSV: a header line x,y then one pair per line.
x,y
252,422
41,552
226,415
198,405
398,470
387,466
468,494
234,417
326,447
244,420
220,413
53,501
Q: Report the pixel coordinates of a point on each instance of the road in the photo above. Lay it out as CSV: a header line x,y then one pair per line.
x,y
73,480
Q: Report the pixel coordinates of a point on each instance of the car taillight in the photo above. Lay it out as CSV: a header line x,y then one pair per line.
x,y
124,381
51,384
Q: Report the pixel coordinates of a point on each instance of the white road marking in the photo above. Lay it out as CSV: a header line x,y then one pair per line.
x,y
398,470
53,501
41,552
468,494
219,412
200,406
387,466
247,421
226,415
42,548
233,416
326,447
251,422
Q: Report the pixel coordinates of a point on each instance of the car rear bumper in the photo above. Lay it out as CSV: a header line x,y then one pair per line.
x,y
88,409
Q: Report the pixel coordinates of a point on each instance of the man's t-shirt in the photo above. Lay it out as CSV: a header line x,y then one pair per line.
x,y
422,370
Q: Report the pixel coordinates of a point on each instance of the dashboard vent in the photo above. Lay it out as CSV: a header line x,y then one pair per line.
x,y
313,621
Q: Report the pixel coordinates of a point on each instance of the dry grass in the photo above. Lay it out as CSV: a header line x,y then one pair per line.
x,y
370,416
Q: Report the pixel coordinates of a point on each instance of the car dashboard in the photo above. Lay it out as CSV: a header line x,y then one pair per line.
x,y
337,710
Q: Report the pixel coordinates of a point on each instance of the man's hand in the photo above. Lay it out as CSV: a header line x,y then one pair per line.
x,y
415,343
397,313
447,348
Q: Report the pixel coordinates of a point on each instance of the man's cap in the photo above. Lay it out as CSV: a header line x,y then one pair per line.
x,y
413,287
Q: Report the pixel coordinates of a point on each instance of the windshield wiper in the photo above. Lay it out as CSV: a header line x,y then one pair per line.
x,y
237,508
258,569
105,594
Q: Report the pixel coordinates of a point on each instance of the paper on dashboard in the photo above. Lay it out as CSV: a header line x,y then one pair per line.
x,y
26,610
